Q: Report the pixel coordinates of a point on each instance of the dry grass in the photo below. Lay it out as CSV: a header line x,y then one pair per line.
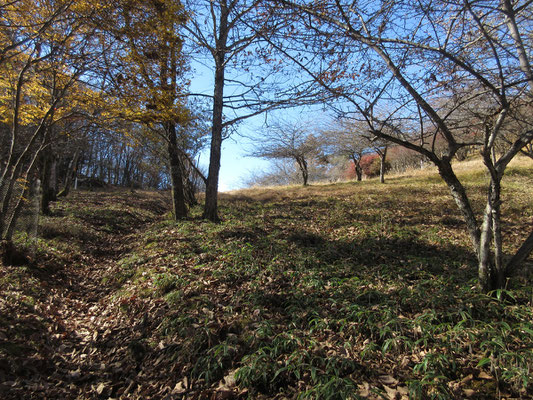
x,y
462,168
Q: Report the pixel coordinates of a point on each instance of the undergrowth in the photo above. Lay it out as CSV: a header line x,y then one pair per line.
x,y
355,290
344,291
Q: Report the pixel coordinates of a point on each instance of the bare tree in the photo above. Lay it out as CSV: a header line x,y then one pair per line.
x,y
231,37
291,141
380,147
350,140
447,73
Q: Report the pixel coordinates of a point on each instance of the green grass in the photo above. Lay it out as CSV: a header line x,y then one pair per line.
x,y
351,290
330,287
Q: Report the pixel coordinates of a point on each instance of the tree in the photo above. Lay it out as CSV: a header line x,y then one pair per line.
x,y
234,37
290,141
381,148
45,50
348,140
145,75
452,72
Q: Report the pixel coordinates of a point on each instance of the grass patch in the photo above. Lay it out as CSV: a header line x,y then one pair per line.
x,y
331,288
352,290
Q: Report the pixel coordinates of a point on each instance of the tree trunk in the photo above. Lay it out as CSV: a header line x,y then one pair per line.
x,y
47,181
359,173
188,183
520,256
525,66
12,219
178,198
71,173
32,192
357,168
492,273
303,169
382,159
211,190
459,195
487,279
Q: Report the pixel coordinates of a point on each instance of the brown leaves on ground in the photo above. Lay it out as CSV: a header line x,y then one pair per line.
x,y
334,291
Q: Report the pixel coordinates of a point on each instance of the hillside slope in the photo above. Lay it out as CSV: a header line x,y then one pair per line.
x,y
351,290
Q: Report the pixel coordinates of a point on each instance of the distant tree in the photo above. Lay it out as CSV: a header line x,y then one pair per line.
x,y
290,141
380,147
352,139
401,159
283,172
347,140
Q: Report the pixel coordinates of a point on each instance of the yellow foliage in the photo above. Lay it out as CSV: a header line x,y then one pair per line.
x,y
150,85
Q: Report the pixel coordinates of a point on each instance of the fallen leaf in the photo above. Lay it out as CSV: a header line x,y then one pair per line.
x,y
403,390
484,375
100,389
181,386
392,393
387,380
364,389
230,380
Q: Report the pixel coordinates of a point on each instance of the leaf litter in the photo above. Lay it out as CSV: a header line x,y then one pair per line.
x,y
320,298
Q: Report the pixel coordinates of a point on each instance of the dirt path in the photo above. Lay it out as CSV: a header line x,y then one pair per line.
x,y
73,342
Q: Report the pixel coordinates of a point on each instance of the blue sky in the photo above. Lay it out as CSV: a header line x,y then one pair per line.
x,y
236,165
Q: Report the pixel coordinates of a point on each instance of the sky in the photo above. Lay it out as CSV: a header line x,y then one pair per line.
x,y
235,166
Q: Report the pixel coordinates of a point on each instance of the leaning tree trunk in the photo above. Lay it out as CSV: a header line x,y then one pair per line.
x,y
459,195
178,197
31,192
9,222
211,190
486,241
189,188
520,256
71,173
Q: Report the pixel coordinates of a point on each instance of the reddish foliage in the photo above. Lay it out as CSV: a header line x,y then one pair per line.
x,y
349,171
368,164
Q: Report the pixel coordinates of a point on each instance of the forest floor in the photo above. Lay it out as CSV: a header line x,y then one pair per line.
x,y
349,290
